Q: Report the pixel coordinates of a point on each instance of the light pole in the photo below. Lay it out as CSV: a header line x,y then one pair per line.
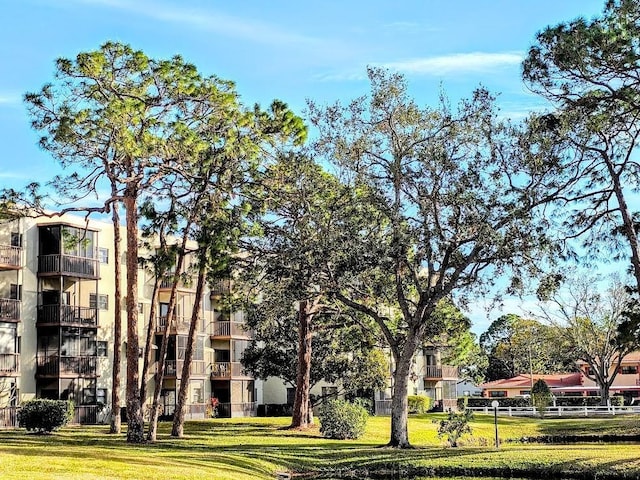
x,y
495,404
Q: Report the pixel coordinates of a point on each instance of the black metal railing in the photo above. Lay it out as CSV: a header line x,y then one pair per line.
x,y
9,310
69,265
231,329
67,315
221,287
55,365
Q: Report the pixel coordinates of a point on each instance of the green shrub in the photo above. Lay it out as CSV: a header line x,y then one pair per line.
x,y
476,402
340,419
420,403
541,397
455,426
44,416
365,403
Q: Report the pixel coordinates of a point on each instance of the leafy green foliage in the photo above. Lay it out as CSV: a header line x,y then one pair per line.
x,y
45,416
453,206
455,426
340,419
541,396
588,69
419,404
514,345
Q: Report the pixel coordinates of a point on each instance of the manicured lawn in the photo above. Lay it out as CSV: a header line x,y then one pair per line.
x,y
255,448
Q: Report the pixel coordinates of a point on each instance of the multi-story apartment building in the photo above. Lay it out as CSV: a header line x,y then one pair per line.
x,y
56,324
430,376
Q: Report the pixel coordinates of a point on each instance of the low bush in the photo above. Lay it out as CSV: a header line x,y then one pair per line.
x,y
340,420
476,402
420,403
455,426
44,416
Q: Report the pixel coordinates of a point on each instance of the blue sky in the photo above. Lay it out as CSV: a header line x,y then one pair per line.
x,y
277,49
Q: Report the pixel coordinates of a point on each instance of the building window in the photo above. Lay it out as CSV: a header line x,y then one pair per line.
x,y
141,308
103,255
102,301
101,348
525,392
15,292
101,396
16,239
291,395
88,396
498,393
449,389
629,369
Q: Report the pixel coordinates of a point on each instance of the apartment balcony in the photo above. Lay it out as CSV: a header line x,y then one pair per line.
x,y
68,265
444,372
224,330
67,315
220,288
180,324
65,366
9,364
10,257
184,283
9,310
228,371
173,368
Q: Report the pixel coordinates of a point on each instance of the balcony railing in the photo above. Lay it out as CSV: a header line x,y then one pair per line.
x,y
173,368
231,329
10,256
69,265
436,372
180,324
67,365
9,310
221,287
166,283
9,363
67,315
227,370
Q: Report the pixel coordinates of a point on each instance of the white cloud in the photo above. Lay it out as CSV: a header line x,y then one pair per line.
x,y
8,99
209,20
456,63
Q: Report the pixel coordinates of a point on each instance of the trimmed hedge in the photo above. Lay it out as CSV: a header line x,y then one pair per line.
x,y
44,416
340,420
419,404
576,401
474,402
275,410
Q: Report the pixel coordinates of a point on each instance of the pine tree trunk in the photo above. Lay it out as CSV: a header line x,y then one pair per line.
x,y
178,418
148,350
159,378
135,420
115,422
302,402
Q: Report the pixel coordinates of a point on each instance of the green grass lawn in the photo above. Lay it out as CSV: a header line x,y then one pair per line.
x,y
255,448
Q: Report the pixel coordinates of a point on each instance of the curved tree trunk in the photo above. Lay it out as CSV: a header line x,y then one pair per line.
x,y
115,421
301,405
178,417
159,378
151,328
135,420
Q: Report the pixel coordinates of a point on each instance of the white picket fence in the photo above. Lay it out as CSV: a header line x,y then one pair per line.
x,y
584,411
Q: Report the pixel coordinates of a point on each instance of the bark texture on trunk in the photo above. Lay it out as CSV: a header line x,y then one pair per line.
x,y
135,420
115,421
178,418
301,405
400,405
